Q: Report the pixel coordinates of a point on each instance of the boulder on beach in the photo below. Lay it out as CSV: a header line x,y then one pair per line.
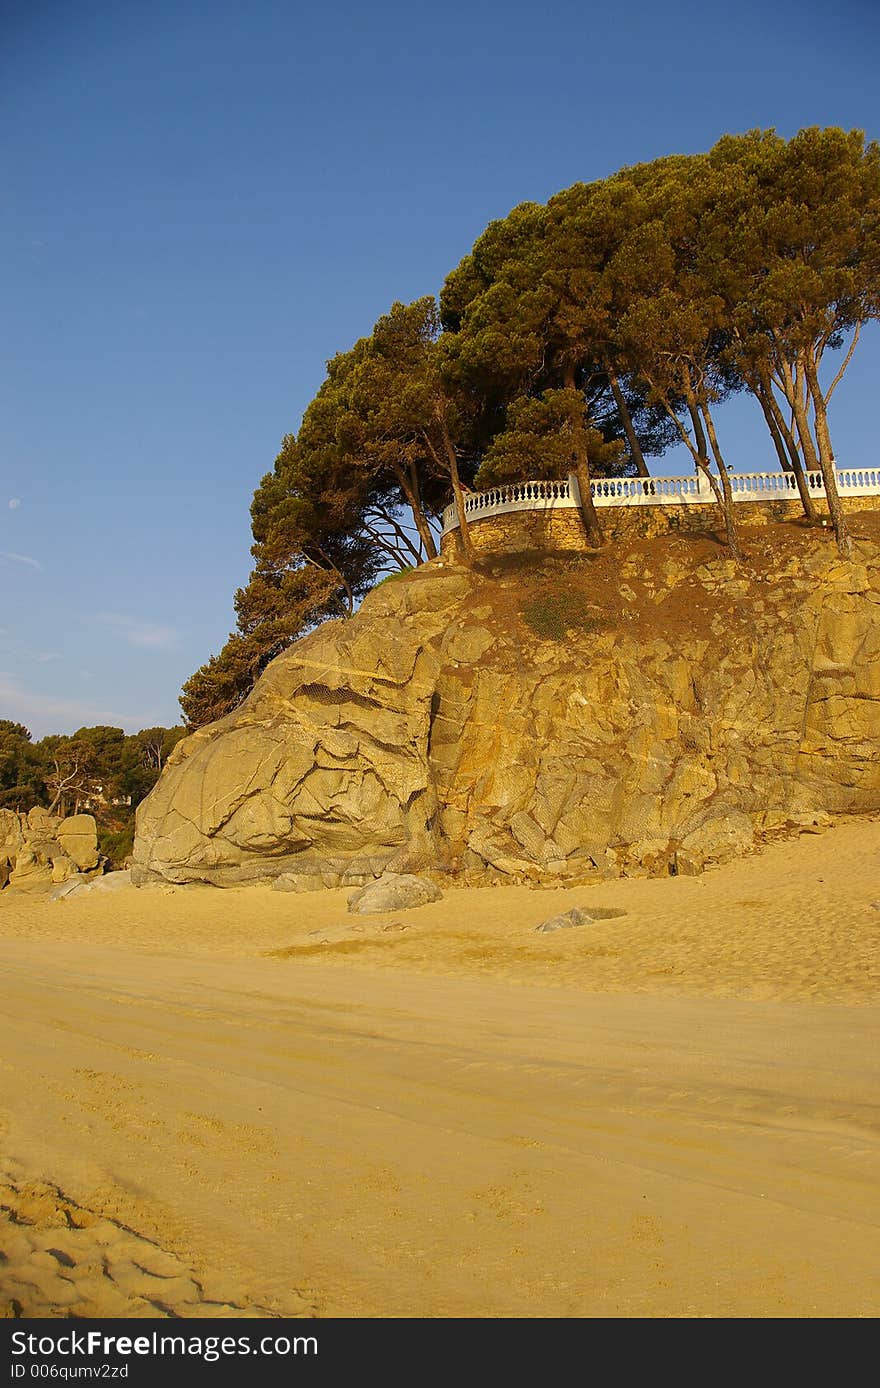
x,y
393,892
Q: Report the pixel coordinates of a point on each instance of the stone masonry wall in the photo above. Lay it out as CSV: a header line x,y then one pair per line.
x,y
516,531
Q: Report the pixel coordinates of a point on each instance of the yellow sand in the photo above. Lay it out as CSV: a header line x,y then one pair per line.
x,y
249,1102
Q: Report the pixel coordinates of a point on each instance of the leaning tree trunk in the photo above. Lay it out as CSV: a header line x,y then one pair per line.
x,y
792,391
632,438
786,448
778,441
592,525
826,459
333,569
467,543
726,490
700,453
409,485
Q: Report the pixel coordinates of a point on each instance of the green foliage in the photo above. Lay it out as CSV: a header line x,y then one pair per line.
x,y
116,841
538,442
22,769
99,770
552,612
222,683
587,335
356,491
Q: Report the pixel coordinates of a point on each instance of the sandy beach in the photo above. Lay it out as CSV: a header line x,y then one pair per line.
x,y
245,1102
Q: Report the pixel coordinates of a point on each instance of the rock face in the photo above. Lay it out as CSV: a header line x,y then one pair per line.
x,y
40,850
680,704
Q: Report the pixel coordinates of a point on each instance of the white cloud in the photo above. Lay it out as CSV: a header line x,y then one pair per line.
x,y
47,713
149,636
11,558
30,653
14,503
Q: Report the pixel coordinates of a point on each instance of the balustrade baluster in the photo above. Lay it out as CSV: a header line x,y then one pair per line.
x,y
632,491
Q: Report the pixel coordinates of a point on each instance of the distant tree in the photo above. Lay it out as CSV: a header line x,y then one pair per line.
x,y
156,745
141,762
83,769
97,769
22,772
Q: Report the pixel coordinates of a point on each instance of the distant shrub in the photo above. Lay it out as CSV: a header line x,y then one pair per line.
x,y
116,843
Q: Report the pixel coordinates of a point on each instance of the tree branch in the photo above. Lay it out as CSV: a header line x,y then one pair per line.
x,y
846,361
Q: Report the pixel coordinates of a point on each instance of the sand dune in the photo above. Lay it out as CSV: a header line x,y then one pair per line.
x,y
246,1102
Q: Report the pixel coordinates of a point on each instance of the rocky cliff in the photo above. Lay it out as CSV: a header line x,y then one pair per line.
x,y
650,708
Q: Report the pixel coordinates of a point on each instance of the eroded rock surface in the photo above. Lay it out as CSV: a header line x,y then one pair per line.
x,y
39,850
686,704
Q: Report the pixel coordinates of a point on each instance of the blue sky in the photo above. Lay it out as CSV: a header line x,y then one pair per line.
x,y
202,202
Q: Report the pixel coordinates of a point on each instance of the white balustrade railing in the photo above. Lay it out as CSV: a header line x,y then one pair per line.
x,y
654,491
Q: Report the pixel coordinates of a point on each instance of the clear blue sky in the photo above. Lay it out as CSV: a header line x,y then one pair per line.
x,y
203,200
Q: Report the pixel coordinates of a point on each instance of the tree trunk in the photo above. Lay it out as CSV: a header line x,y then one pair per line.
x,y
792,392
701,456
726,491
329,567
700,450
421,520
410,487
786,448
826,459
778,441
589,515
592,524
635,448
467,543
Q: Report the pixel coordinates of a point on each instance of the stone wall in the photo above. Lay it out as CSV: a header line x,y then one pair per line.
x,y
516,531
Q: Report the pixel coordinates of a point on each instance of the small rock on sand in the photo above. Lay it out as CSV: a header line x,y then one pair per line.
x,y
110,882
578,915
